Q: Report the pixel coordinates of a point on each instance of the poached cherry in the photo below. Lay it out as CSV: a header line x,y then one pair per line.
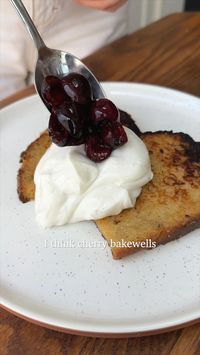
x,y
113,134
60,136
71,117
52,91
103,109
77,88
76,119
96,150
57,132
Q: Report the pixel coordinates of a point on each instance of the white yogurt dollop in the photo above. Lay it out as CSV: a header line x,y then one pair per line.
x,y
71,188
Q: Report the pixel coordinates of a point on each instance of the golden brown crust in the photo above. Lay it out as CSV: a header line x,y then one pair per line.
x,y
29,160
168,207
176,233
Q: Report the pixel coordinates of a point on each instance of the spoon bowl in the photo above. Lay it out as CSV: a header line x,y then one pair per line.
x,y
53,61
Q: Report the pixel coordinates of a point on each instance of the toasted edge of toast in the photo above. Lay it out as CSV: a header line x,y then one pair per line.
x,y
169,205
29,160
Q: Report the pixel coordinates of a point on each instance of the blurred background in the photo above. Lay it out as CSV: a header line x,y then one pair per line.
x,y
71,26
143,12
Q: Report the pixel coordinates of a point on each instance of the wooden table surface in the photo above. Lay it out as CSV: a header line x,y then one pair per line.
x,y
165,53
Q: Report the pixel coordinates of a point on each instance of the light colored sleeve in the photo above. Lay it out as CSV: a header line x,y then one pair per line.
x,y
13,42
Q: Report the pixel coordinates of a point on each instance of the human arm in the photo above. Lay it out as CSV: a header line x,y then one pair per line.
x,y
104,5
13,60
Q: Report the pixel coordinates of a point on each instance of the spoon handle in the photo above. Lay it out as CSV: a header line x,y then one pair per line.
x,y
22,12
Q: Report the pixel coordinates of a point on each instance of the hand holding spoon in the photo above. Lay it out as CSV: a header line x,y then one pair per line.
x,y
52,61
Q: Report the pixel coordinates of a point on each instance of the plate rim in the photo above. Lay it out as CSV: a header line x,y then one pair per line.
x,y
107,86
116,335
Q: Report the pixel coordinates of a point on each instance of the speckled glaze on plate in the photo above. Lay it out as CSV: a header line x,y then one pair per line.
x,y
65,277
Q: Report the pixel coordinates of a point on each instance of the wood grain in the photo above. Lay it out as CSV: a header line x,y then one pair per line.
x,y
20,337
165,53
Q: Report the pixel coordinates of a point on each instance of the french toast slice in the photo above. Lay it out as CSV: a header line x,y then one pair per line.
x,y
169,205
167,208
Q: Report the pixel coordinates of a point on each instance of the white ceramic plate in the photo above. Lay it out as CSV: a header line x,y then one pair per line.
x,y
82,289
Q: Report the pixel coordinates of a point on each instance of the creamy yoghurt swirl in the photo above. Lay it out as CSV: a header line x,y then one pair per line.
x,y
71,188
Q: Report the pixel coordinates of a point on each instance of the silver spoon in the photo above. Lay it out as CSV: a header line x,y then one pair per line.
x,y
52,61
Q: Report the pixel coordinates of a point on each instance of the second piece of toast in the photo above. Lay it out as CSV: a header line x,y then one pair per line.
x,y
169,205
